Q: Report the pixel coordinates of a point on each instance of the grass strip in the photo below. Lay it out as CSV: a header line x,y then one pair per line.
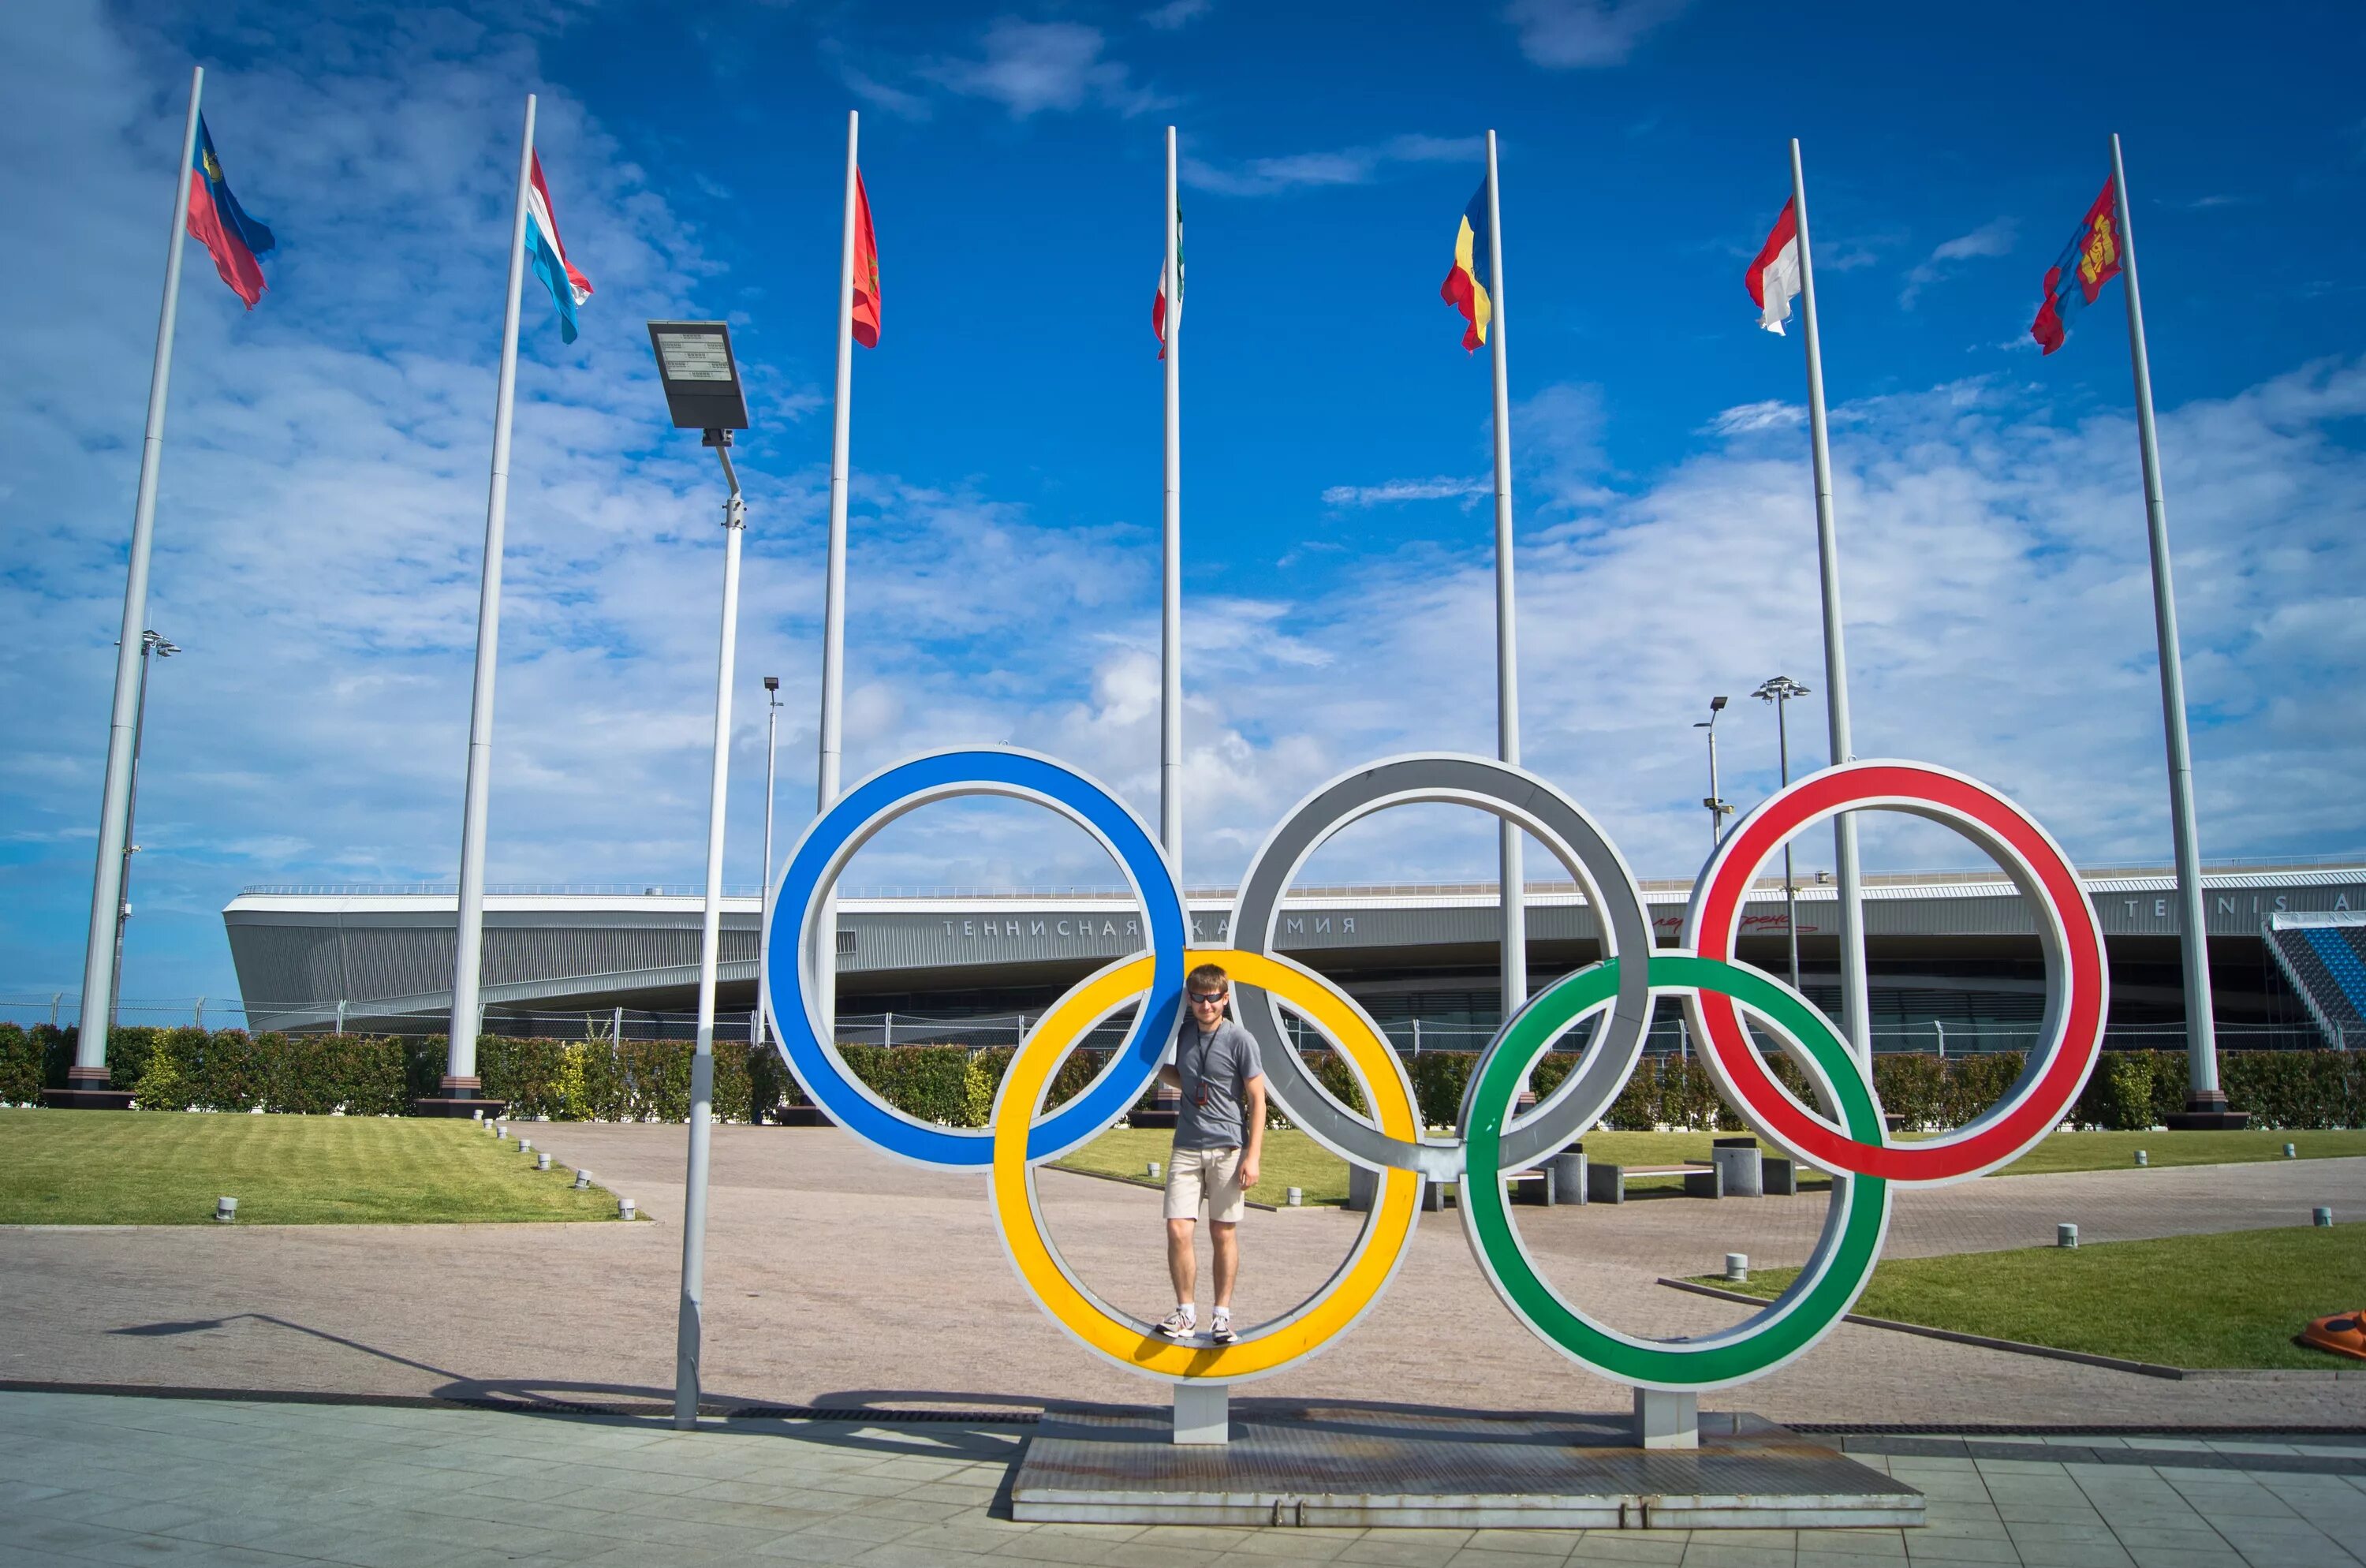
x,y
1293,1159
2229,1299
138,1167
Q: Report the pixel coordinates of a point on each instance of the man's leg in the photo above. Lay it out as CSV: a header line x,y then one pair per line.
x,y
1183,1266
1226,1236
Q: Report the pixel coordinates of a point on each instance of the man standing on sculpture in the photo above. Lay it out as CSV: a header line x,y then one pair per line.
x,y
1219,1137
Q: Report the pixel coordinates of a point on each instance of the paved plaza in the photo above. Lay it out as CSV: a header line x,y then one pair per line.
x,y
835,1277
99,1479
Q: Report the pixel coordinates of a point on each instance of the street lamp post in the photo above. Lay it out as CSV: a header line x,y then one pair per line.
x,y
764,888
702,393
1718,809
150,642
1781,689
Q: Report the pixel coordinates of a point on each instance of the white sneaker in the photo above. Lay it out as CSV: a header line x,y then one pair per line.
x,y
1180,1324
1219,1326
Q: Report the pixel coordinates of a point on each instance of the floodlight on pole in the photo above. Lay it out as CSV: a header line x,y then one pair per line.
x,y
702,387
1718,809
1779,690
701,378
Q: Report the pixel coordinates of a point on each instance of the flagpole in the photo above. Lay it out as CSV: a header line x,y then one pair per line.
x,y
1855,1004
2203,1097
833,637
460,1083
1511,889
1170,633
88,1075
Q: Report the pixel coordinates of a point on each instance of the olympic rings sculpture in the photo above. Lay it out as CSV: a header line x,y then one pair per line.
x,y
1845,1132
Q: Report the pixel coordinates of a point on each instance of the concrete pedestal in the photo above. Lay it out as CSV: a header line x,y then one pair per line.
x,y
1739,1164
2206,1113
1664,1420
1204,1413
100,1098
1349,1467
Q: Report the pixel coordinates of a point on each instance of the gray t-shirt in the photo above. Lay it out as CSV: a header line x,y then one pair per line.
x,y
1215,1070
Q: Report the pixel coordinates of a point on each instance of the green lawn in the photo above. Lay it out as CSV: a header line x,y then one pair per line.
x,y
1293,1159
134,1168
2232,1299
2114,1151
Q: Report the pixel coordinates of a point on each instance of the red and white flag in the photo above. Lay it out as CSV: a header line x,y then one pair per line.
x,y
1774,279
1158,304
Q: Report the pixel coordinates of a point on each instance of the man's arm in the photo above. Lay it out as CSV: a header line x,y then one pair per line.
x,y
1253,1112
1170,1078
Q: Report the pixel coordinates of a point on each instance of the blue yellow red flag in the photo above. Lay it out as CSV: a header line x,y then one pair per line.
x,y
1466,286
219,223
2090,260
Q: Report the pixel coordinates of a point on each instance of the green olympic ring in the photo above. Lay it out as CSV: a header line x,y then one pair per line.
x,y
1835,1274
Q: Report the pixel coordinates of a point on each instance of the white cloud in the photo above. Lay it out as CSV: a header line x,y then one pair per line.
x,y
1391,492
1578,33
1994,238
1746,419
880,96
1030,67
1345,166
1175,13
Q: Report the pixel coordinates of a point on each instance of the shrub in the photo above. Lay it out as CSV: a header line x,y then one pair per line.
x,y
57,1053
930,1083
228,1069
20,1066
2296,1089
128,1046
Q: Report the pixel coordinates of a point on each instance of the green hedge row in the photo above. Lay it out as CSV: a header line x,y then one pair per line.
x,y
228,1069
2127,1090
565,1080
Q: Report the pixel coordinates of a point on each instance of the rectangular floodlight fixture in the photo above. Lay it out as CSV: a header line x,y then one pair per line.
x,y
701,380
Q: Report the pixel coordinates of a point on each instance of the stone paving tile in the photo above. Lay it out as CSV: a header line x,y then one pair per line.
x,y
1740,1557
1044,1546
1467,1558
1868,1546
271,1486
2221,1556
1405,1549
1697,1555
1606,1547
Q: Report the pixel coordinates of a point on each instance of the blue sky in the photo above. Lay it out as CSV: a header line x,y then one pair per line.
x,y
322,504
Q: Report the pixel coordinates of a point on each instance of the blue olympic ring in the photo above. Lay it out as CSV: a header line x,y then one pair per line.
x,y
870,805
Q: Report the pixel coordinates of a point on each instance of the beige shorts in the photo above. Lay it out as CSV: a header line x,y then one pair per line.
x,y
1211,1174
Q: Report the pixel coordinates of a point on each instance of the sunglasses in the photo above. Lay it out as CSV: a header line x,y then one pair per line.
x,y
1199,996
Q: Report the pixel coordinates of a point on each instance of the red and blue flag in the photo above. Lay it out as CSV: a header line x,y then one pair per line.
x,y
543,253
218,222
2090,260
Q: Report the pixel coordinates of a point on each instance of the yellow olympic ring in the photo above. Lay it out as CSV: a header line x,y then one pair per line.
x,y
1128,1341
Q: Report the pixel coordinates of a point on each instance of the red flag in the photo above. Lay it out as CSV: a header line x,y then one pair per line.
x,y
866,270
2090,260
1158,304
1773,279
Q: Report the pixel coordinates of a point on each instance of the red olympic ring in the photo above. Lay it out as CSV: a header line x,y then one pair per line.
x,y
2043,1095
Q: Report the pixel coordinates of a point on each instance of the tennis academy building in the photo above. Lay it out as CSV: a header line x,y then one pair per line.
x,y
1953,956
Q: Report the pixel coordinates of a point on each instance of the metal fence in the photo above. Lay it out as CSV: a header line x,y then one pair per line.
x,y
1668,1036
